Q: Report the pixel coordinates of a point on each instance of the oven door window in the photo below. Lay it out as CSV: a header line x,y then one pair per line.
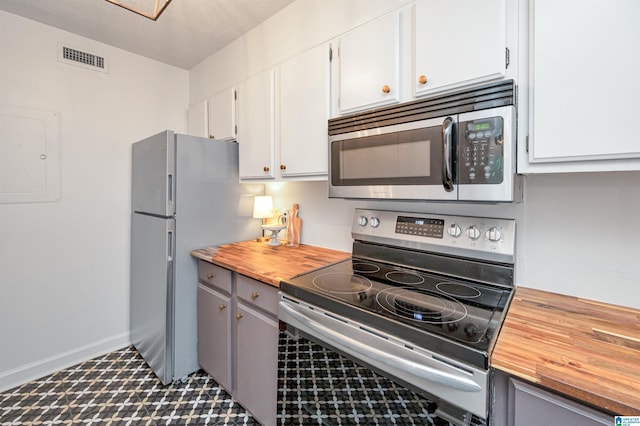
x,y
410,157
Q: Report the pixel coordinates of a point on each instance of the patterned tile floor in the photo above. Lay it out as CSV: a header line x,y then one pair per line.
x,y
119,389
319,386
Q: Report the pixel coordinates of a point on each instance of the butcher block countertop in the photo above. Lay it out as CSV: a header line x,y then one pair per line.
x,y
269,264
585,349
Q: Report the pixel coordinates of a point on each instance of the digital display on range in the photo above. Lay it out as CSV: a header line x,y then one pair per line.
x,y
423,227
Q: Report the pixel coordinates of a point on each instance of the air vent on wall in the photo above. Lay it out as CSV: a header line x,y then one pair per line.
x,y
73,56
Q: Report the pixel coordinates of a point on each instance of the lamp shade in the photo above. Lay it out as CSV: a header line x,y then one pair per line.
x,y
262,207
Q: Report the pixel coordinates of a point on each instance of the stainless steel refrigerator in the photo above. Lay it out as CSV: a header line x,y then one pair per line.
x,y
185,195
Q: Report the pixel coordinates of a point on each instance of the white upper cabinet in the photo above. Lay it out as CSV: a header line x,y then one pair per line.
x,y
256,135
369,63
427,47
583,98
214,117
198,122
282,119
222,115
303,88
457,43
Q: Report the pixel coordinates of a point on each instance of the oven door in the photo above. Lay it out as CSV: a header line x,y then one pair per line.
x,y
460,391
406,161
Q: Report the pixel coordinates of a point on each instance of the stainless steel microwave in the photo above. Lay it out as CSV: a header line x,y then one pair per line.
x,y
454,147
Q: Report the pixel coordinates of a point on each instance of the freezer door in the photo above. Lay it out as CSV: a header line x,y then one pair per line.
x,y
152,288
153,175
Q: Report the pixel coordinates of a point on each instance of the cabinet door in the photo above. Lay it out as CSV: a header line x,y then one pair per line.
x,y
583,71
304,102
533,406
197,116
257,363
222,115
458,42
370,65
256,126
214,335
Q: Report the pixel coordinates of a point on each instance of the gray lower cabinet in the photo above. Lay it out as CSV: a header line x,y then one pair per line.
x,y
214,334
238,338
518,403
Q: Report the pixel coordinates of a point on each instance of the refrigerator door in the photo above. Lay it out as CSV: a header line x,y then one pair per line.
x,y
153,175
152,288
212,208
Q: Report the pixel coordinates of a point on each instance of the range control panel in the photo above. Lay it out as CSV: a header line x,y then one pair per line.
x,y
474,237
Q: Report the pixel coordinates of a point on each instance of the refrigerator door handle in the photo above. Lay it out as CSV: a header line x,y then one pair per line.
x,y
170,188
169,246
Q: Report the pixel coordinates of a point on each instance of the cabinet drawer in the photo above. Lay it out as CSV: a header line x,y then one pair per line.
x,y
215,276
261,295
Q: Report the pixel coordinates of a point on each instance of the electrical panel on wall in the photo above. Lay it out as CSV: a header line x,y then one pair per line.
x,y
29,155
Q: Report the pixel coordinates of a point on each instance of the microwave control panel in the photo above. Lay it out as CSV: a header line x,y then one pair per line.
x,y
481,151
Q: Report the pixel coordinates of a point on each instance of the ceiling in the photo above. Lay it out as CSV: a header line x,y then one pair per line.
x,y
187,32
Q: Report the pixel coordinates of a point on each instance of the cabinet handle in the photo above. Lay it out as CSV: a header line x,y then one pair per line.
x,y
283,167
211,137
386,89
266,168
255,295
422,79
238,316
222,306
210,275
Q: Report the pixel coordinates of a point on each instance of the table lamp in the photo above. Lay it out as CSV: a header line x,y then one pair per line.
x,y
262,209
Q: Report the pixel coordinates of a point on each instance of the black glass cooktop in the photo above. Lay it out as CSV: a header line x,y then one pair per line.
x,y
417,303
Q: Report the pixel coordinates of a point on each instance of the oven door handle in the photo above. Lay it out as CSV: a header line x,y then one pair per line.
x,y
447,162
351,345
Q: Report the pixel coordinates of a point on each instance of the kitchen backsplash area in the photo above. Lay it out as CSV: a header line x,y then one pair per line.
x,y
576,233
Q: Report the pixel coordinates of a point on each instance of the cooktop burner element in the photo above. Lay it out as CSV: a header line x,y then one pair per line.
x,y
403,277
464,291
421,305
341,283
365,267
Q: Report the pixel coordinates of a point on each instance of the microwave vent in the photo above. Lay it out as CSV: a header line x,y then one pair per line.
x,y
73,56
475,98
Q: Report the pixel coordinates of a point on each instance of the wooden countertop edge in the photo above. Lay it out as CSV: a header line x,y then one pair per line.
x,y
310,258
582,349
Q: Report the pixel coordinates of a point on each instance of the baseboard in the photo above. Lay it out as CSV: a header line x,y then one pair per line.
x,y
12,378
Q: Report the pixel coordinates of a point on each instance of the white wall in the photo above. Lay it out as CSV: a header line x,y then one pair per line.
x,y
577,234
64,266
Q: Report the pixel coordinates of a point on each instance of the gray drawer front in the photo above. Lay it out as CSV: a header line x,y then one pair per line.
x,y
214,276
261,295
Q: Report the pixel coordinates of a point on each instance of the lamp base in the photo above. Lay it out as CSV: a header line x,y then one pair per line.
x,y
263,239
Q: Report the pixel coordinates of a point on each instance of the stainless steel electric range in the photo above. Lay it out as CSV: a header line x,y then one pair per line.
x,y
421,302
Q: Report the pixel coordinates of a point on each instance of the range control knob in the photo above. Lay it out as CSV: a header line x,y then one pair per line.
x,y
473,232
471,331
362,221
454,230
375,222
494,234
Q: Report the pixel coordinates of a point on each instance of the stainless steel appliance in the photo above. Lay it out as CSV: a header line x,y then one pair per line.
x,y
458,146
421,301
185,194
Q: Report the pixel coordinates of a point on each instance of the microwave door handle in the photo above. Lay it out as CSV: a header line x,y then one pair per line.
x,y
447,164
